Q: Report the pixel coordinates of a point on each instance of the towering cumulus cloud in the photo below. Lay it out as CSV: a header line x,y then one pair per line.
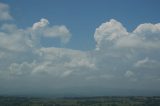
x,y
120,60
134,51
109,32
144,36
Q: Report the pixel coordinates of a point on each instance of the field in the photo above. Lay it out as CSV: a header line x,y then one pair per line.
x,y
80,101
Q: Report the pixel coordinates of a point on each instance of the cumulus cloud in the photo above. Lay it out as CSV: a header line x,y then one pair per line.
x,y
23,59
42,23
108,32
118,50
20,40
145,36
58,62
57,31
71,59
4,12
12,38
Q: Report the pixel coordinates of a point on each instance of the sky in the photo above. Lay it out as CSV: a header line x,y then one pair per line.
x,y
79,48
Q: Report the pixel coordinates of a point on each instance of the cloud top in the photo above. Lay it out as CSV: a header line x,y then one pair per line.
x,y
42,23
114,34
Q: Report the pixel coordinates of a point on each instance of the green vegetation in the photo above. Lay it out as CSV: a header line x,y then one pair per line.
x,y
86,101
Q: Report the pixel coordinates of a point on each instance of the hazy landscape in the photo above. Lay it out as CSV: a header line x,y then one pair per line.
x,y
81,101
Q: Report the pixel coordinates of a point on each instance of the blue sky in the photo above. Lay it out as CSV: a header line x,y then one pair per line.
x,y
79,48
82,17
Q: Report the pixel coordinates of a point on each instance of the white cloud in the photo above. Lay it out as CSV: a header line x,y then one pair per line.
x,y
114,34
63,62
12,38
57,31
23,56
69,58
108,32
4,12
148,31
119,50
136,41
41,24
21,40
56,62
